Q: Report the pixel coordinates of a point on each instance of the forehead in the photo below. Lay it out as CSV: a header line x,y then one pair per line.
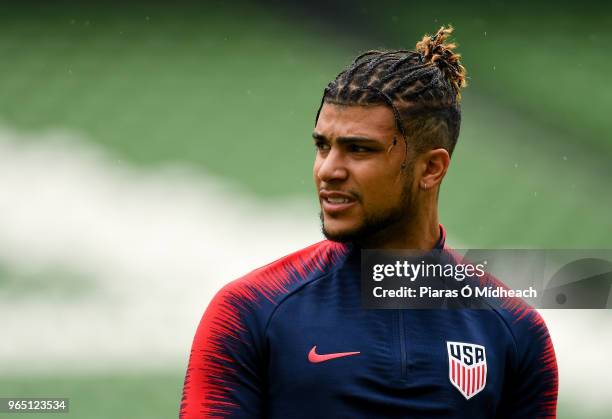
x,y
376,122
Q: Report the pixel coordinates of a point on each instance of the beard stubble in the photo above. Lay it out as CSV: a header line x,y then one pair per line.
x,y
377,227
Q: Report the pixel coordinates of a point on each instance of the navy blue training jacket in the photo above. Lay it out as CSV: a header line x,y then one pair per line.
x,y
291,340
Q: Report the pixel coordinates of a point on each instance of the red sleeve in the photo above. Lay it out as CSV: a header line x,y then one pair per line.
x,y
531,390
224,374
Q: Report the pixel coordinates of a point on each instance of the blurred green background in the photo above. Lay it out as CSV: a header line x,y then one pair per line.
x,y
231,89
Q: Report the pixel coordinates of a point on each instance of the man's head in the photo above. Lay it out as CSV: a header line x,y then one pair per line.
x,y
384,134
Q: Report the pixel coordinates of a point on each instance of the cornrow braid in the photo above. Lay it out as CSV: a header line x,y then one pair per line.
x,y
422,88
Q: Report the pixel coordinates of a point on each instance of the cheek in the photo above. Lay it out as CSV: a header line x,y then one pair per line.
x,y
382,190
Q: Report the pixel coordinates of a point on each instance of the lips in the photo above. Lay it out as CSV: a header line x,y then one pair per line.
x,y
335,202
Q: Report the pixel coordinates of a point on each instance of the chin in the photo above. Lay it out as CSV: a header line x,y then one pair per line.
x,y
340,233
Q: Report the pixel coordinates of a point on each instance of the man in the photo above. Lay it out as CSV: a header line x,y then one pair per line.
x,y
291,339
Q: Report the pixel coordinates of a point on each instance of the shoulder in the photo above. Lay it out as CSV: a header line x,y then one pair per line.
x,y
273,281
525,324
247,302
531,336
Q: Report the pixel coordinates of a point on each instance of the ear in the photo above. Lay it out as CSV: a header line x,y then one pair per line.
x,y
433,165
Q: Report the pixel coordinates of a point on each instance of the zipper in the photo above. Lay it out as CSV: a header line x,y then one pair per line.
x,y
402,339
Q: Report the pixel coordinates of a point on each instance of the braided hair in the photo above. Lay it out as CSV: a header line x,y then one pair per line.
x,y
421,87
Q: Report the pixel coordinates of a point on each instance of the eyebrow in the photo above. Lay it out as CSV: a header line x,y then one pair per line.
x,y
345,139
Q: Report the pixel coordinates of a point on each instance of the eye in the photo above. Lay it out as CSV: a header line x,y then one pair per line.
x,y
321,146
359,149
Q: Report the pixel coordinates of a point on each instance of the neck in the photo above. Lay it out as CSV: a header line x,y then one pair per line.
x,y
421,231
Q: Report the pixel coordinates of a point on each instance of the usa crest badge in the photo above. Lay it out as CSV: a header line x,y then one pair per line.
x,y
467,367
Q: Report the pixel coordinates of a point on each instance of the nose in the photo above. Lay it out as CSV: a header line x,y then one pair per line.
x,y
331,167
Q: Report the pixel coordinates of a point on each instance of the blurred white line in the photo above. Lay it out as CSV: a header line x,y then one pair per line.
x,y
583,342
156,244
